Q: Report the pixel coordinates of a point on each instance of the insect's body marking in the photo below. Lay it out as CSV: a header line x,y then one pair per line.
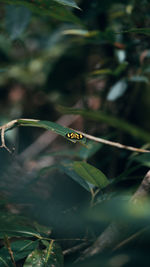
x,y
74,136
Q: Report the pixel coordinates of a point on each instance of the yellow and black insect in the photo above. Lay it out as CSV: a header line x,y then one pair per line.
x,y
74,136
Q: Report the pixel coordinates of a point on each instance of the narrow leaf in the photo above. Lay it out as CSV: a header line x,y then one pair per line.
x,y
139,79
70,3
52,126
17,19
89,150
145,31
20,250
52,8
110,120
3,262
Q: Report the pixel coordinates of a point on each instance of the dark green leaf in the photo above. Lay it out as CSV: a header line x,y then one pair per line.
x,y
52,126
144,159
90,174
42,229
70,3
121,68
67,167
52,256
13,225
20,250
36,258
101,72
145,31
17,232
17,19
110,120
89,150
49,8
3,262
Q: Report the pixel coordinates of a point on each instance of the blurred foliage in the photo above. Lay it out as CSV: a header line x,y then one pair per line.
x,y
83,58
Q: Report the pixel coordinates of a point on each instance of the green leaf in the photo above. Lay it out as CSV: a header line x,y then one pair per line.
x,y
117,72
110,120
78,32
36,258
67,167
49,8
124,175
52,256
90,174
3,262
70,3
17,232
20,250
89,150
42,229
52,126
145,31
17,19
13,225
101,72
65,152
144,159
92,36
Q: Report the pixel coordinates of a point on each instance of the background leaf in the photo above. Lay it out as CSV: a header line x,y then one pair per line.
x,y
14,225
70,3
145,31
17,19
117,90
20,250
89,150
110,120
52,9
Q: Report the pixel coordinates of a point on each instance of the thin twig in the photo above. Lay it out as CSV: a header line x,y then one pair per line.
x,y
75,249
116,144
14,123
7,244
129,239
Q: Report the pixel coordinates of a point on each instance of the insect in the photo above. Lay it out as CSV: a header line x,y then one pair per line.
x,y
74,136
